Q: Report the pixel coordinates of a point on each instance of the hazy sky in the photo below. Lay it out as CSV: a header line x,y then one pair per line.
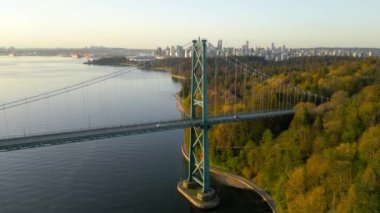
x,y
148,23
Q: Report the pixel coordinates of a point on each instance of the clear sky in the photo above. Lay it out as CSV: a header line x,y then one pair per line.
x,y
152,23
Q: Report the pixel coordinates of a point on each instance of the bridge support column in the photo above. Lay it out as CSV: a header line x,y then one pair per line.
x,y
196,188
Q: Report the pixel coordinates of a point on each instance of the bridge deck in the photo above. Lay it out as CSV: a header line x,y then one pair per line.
x,y
109,132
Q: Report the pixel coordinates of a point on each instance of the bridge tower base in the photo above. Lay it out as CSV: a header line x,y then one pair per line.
x,y
193,193
196,188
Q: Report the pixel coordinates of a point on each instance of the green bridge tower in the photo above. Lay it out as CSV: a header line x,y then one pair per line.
x,y
196,188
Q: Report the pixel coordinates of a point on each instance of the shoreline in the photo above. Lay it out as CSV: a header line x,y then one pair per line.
x,y
229,178
236,181
180,105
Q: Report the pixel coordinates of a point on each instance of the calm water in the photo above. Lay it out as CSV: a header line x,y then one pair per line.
x,y
127,174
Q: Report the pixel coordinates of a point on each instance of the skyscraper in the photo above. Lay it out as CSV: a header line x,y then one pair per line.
x,y
172,51
220,45
167,51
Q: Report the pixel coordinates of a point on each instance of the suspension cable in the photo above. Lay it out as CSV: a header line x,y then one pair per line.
x,y
76,86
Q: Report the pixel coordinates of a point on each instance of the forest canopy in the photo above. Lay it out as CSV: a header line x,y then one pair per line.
x,y
324,158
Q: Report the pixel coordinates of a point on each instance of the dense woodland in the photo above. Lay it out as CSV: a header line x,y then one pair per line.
x,y
325,158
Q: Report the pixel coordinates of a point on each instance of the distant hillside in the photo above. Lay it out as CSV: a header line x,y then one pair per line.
x,y
112,61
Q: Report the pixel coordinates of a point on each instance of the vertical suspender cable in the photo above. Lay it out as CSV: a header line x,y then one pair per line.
x,y
261,93
225,87
270,97
235,87
215,89
287,97
283,96
253,90
244,86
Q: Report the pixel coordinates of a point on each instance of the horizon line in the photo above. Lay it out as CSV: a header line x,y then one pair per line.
x,y
117,47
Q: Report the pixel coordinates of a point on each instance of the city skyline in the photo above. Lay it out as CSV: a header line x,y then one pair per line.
x,y
148,24
272,52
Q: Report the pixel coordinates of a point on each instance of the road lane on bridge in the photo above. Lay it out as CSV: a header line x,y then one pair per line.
x,y
109,132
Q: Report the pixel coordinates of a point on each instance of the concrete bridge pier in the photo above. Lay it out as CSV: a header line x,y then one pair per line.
x,y
194,194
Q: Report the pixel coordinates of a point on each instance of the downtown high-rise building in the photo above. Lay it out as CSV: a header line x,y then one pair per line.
x,y
220,45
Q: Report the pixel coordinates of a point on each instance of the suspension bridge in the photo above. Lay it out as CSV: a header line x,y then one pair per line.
x,y
259,98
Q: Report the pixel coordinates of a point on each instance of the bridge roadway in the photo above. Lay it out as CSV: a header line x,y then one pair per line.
x,y
109,132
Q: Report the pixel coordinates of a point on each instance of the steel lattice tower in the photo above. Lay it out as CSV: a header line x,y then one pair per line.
x,y
197,186
198,147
